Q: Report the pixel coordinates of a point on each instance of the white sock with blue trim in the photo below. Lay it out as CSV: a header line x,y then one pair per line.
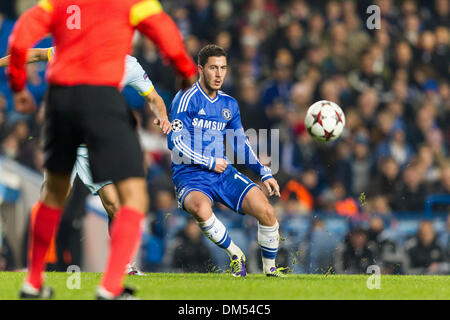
x,y
268,240
215,230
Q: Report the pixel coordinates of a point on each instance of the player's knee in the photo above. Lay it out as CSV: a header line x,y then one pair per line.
x,y
138,201
143,202
55,200
199,210
267,217
55,191
133,193
204,214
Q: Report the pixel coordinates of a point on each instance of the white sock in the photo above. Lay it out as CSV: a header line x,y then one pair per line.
x,y
215,230
268,240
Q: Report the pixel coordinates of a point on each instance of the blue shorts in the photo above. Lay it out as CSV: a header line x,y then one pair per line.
x,y
229,188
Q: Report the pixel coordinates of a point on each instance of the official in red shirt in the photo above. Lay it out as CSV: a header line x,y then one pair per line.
x,y
85,106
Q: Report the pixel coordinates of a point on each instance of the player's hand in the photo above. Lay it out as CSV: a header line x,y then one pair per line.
x,y
164,124
187,82
434,267
24,102
272,186
221,165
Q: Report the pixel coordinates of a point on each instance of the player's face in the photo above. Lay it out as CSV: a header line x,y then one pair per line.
x,y
214,72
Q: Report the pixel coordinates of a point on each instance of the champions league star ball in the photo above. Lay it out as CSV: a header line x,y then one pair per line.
x,y
325,120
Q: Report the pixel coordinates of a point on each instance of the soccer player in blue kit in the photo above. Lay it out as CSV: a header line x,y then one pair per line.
x,y
201,117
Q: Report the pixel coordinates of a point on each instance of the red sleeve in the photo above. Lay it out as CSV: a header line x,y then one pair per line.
x,y
33,25
163,31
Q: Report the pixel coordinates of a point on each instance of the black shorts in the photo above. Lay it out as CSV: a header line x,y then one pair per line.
x,y
99,117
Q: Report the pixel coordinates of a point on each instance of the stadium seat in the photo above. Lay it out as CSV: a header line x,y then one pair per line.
x,y
241,238
175,223
219,256
404,229
295,227
336,226
321,250
153,249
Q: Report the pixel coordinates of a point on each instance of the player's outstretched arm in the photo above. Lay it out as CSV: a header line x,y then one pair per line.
x,y
158,107
37,55
33,25
4,62
33,55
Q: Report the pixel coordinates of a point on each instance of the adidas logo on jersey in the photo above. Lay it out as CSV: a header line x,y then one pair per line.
x,y
202,112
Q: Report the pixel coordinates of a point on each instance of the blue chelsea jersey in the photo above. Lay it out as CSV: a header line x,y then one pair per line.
x,y
199,127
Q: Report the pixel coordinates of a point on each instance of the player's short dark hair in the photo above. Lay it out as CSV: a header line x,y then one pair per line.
x,y
210,50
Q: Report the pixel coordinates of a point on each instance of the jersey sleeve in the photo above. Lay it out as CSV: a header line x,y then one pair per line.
x,y
180,139
50,53
137,78
148,17
33,25
242,147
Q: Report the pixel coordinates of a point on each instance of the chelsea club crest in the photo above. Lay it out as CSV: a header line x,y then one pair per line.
x,y
226,113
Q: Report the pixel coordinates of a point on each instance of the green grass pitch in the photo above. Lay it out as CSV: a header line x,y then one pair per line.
x,y
213,286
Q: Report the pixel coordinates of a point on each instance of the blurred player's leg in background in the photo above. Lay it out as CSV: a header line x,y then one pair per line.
x,y
199,206
60,140
111,202
257,205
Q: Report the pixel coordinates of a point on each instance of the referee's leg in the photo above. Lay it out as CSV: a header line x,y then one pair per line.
x,y
56,189
61,139
115,154
45,218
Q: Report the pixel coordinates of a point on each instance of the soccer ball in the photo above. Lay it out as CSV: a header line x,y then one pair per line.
x,y
325,120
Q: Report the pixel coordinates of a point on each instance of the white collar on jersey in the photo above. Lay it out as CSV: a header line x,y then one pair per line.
x,y
205,95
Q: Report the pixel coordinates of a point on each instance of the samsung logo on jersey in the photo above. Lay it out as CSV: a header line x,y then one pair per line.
x,y
208,124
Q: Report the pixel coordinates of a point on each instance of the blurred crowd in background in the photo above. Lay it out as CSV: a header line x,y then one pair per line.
x,y
392,83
